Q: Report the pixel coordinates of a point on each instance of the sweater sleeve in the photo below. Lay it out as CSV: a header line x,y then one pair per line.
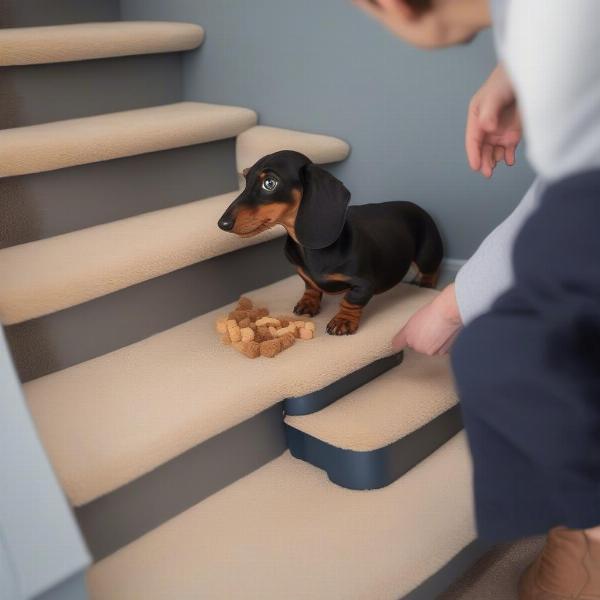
x,y
489,272
551,51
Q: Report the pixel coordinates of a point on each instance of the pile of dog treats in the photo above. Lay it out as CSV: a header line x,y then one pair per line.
x,y
254,333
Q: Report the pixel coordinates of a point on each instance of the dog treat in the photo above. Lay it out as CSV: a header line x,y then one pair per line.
x,y
271,348
306,333
253,332
257,313
233,329
247,334
268,321
245,303
264,333
250,349
287,340
291,328
238,315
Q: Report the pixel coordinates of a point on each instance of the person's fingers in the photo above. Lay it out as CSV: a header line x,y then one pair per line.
x,y
391,6
473,139
487,160
445,348
499,154
399,341
509,155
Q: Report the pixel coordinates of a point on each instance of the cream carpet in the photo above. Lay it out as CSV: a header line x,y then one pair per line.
x,y
83,41
286,532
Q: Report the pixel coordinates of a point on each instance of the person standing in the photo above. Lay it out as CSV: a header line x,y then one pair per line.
x,y
522,319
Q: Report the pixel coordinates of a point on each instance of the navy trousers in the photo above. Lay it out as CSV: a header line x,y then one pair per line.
x,y
528,375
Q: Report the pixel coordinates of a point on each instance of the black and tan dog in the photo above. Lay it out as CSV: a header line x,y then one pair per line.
x,y
358,250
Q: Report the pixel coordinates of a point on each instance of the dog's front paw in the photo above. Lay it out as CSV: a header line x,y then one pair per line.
x,y
307,306
342,325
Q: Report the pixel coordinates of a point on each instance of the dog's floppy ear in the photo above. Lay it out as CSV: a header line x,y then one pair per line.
x,y
322,211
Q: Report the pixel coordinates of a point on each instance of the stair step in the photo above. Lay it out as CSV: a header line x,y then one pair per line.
x,y
373,435
261,140
85,41
61,144
45,276
108,421
285,532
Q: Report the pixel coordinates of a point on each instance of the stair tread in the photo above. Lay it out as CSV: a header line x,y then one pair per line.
x,y
386,409
113,418
285,531
38,148
52,274
84,41
258,141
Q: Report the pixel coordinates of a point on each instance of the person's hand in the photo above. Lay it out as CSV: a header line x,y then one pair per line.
x,y
493,124
433,328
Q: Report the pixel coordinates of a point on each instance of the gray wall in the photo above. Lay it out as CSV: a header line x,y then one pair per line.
x,y
321,65
40,544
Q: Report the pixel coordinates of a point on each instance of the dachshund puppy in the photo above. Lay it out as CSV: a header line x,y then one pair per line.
x,y
358,250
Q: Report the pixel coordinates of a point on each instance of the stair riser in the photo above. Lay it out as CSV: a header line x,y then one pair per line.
x,y
124,515
378,468
53,92
33,13
74,335
43,205
311,403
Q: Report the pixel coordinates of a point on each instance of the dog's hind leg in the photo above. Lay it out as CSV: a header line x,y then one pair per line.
x,y
430,252
429,280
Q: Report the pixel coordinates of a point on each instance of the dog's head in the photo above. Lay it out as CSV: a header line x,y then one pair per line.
x,y
286,188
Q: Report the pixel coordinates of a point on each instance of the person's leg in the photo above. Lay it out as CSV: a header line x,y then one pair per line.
x,y
528,375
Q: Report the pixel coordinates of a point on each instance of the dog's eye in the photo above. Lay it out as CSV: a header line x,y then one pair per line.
x,y
269,184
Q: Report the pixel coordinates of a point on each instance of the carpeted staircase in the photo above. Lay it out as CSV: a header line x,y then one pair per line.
x,y
171,448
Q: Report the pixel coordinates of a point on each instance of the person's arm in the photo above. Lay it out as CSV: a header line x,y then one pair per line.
x,y
489,272
486,275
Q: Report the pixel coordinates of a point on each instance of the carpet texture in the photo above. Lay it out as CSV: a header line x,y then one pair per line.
x,y
496,575
285,531
83,41
38,148
387,408
42,277
49,275
261,140
113,418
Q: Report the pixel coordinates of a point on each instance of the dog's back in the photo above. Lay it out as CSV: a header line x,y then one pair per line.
x,y
395,234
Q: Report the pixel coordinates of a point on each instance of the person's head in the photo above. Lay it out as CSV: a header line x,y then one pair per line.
x,y
430,23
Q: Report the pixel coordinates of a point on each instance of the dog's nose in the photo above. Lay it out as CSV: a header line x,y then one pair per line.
x,y
226,222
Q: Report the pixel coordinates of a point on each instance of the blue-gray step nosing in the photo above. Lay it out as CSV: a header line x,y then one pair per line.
x,y
310,403
365,470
